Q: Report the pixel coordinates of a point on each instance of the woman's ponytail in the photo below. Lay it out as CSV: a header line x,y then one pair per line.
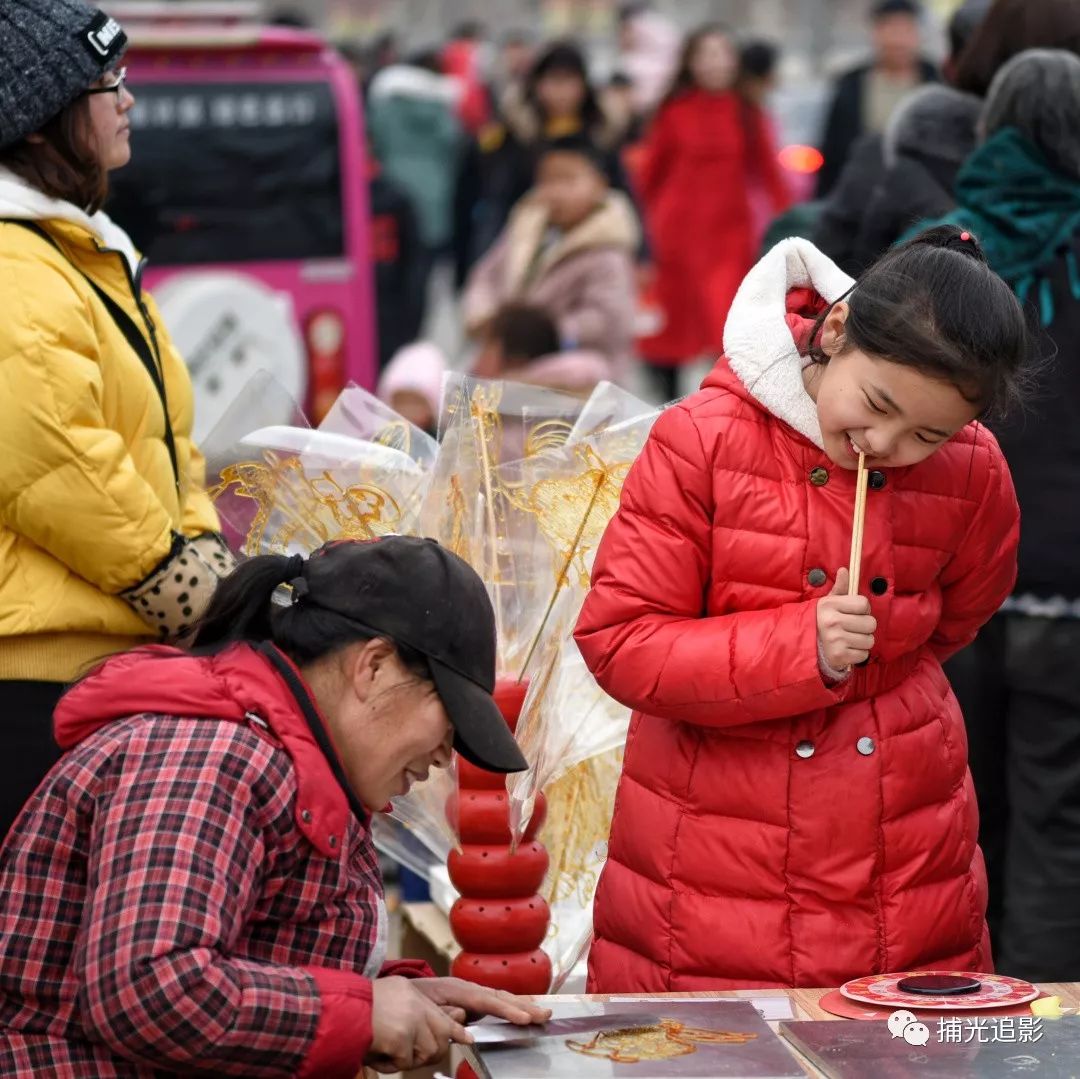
x,y
243,603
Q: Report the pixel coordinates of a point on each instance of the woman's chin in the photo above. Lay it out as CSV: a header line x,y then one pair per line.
x,y
120,157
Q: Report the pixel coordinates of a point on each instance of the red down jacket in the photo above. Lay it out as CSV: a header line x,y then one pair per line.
x,y
771,830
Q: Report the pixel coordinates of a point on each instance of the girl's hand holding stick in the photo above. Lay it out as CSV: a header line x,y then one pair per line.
x,y
845,626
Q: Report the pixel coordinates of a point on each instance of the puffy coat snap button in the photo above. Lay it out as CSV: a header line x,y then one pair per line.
x,y
805,749
865,746
819,476
817,577
305,816
876,479
879,586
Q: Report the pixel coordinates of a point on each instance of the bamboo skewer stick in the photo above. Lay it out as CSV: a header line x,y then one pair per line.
x,y
561,579
493,531
855,562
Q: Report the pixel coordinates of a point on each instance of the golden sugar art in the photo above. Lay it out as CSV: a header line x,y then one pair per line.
x,y
665,1040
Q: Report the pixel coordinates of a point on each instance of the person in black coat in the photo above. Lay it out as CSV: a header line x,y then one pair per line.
x,y
1019,683
838,223
864,98
925,144
399,262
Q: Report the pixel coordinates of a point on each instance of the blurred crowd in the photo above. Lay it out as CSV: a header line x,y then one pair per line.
x,y
601,230
626,213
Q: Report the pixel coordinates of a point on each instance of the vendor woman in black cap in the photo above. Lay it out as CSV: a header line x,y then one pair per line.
x,y
194,886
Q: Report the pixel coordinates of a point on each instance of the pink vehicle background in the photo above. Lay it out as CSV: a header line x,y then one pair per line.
x,y
248,194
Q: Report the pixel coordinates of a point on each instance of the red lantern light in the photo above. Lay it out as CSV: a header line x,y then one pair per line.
x,y
802,159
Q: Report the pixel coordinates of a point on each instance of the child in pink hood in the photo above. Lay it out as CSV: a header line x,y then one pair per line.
x,y
412,384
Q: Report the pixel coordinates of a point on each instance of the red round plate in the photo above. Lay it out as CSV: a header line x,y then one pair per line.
x,y
997,992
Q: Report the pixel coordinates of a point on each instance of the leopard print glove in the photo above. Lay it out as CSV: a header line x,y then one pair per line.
x,y
214,551
172,598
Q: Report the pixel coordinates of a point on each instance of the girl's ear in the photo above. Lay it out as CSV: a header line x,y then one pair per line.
x,y
832,330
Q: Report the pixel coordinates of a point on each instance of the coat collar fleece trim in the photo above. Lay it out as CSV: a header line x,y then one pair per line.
x,y
613,224
404,80
22,201
239,685
758,341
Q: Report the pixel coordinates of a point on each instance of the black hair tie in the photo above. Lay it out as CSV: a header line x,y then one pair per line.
x,y
295,579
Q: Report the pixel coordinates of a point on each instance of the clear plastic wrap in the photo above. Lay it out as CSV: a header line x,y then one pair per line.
x,y
580,806
419,821
239,486
289,488
522,486
567,719
469,507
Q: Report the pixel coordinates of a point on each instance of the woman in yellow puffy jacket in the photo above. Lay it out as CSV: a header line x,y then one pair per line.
x,y
107,538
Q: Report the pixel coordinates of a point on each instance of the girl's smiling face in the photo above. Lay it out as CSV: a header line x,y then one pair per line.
x,y
897,415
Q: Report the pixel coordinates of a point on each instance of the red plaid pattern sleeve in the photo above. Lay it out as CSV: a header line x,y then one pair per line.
x,y
178,854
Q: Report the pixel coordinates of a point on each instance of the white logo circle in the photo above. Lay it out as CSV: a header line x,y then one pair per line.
x,y
899,1020
904,1024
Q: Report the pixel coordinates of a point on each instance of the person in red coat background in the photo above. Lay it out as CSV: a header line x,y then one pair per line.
x,y
707,146
795,807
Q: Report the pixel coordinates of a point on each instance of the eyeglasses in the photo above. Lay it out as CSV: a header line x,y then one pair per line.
x,y
113,87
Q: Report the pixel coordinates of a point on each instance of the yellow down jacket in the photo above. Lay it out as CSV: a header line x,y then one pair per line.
x,y
89,499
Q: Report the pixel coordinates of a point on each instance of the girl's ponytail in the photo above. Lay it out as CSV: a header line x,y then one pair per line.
x,y
949,238
243,603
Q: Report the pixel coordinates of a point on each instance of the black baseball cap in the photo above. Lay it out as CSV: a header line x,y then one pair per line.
x,y
417,593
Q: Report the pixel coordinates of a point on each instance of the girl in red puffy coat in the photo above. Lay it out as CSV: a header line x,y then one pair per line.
x,y
708,147
795,807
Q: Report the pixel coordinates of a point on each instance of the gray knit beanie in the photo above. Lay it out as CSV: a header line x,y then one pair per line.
x,y
51,51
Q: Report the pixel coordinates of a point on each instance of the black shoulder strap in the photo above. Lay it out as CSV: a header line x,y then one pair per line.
x,y
134,337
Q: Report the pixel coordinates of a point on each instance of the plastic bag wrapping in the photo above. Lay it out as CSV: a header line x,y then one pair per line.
x,y
286,489
239,485
571,495
361,415
608,406
419,822
580,807
404,846
566,720
469,508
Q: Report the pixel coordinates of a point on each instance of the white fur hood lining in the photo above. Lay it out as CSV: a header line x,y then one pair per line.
x,y
757,341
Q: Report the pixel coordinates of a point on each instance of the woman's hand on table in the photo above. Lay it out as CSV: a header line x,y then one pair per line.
x,y
408,1028
414,1020
466,1001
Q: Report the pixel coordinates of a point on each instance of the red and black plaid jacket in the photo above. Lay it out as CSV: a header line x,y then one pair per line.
x,y
189,889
